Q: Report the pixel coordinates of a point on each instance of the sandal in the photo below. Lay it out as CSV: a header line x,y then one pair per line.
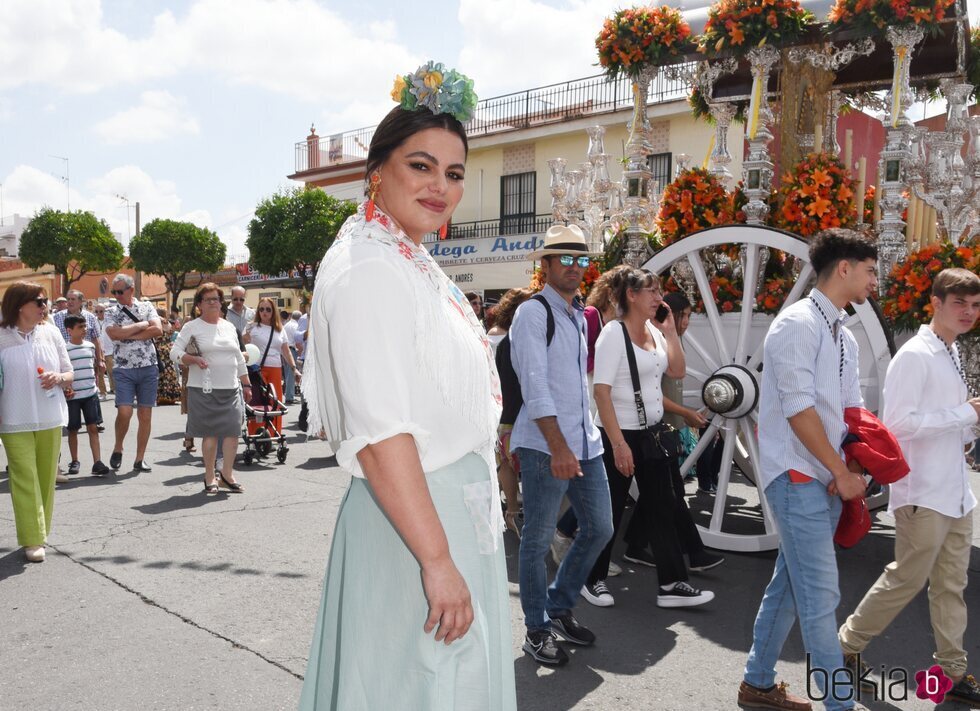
x,y
189,444
233,486
211,488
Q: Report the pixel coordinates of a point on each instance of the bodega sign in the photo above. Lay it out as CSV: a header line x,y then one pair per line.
x,y
489,263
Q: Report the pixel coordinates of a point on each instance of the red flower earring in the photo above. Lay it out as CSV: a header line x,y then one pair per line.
x,y
372,194
444,230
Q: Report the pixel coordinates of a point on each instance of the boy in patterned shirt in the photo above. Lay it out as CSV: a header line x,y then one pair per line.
x,y
84,400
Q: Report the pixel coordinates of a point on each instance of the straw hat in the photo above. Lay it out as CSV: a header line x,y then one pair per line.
x,y
563,239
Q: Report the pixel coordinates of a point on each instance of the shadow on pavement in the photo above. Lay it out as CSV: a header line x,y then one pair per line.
x,y
12,563
180,503
317,463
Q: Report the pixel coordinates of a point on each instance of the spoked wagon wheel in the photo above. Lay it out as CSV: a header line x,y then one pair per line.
x,y
724,357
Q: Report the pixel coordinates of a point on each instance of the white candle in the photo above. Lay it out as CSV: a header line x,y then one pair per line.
x,y
912,216
817,137
862,179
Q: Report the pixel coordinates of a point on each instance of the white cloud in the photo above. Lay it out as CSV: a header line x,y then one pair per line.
x,y
555,44
159,116
6,109
297,47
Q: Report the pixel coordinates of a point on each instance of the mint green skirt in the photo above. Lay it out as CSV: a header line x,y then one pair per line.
x,y
369,650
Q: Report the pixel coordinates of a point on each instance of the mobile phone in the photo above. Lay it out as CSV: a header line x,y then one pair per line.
x,y
661,314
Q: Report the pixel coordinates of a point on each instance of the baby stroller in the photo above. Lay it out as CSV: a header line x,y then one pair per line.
x,y
264,408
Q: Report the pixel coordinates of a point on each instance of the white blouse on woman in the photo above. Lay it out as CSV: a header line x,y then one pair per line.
x,y
612,368
24,405
218,345
259,336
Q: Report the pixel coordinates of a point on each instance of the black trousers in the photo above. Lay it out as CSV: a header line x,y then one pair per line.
x,y
659,506
638,531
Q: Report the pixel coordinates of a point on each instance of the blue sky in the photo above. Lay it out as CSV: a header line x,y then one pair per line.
x,y
192,108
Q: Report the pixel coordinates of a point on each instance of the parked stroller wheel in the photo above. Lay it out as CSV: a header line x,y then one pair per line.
x,y
248,459
281,455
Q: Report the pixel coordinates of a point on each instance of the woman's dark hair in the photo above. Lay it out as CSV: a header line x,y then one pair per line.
x,y
504,313
20,293
630,280
834,245
677,301
398,126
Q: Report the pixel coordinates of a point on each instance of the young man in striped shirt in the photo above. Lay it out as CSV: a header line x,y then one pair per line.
x,y
84,402
809,376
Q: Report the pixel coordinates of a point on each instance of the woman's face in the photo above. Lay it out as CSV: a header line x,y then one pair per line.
x,y
210,305
265,313
422,181
646,300
34,312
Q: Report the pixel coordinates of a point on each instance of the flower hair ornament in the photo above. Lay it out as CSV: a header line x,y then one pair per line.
x,y
440,90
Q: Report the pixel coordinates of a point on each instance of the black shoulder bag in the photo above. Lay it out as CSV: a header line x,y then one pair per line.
x,y
255,377
161,366
660,441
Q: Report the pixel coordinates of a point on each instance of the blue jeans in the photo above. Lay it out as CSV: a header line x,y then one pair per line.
x,y
803,584
289,379
589,496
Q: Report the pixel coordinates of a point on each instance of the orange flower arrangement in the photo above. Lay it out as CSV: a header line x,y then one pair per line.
x,y
537,280
869,205
816,195
740,25
876,15
773,294
909,285
639,37
695,200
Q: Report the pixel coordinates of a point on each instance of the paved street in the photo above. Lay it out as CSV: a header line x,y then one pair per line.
x,y
154,596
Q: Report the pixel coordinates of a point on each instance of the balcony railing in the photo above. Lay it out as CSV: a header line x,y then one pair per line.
x,y
493,228
499,114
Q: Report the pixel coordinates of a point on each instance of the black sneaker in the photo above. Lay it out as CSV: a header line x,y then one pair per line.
x,y
712,489
640,556
965,691
683,595
598,594
100,469
140,466
115,461
542,645
705,561
568,628
74,467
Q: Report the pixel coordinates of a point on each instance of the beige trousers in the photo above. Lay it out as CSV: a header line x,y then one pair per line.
x,y
929,546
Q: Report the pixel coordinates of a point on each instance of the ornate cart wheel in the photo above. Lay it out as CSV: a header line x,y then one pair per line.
x,y
724,357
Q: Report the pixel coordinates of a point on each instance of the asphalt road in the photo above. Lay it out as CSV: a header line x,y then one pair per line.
x,y
154,596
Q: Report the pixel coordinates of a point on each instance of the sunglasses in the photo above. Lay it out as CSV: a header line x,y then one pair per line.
x,y
567,260
41,302
236,298
120,292
265,309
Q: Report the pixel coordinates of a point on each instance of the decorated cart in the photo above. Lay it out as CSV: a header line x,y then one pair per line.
x,y
786,69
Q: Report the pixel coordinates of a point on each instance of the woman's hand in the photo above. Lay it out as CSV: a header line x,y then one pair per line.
x,y
667,326
199,362
450,606
50,379
694,418
623,456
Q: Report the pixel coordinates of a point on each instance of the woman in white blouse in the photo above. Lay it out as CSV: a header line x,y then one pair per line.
x,y
268,326
629,449
34,369
399,376
208,346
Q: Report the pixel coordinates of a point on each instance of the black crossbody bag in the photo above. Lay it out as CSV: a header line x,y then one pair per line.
x,y
659,441
161,366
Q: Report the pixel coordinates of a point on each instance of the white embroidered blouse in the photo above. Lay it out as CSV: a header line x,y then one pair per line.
x,y
24,405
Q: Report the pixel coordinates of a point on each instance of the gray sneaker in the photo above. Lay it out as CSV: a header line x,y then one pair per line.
x,y
543,647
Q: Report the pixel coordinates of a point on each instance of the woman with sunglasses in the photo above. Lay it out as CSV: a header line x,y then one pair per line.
x,y
634,440
267,327
208,346
34,369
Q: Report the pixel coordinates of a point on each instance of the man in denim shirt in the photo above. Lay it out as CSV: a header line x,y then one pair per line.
x,y
559,448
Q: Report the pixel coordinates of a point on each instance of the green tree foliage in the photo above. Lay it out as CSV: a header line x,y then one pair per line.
x,y
173,250
74,243
293,229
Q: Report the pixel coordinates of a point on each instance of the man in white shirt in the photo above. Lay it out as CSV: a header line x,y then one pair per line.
x,y
927,409
238,313
809,377
289,329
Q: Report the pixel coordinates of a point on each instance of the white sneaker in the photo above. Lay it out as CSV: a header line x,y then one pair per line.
x,y
614,570
34,554
683,595
61,477
559,547
598,594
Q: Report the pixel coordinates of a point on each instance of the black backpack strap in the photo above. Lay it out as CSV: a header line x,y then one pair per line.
x,y
635,376
550,328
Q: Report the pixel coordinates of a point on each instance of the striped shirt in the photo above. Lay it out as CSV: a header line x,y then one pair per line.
x,y
803,367
92,330
82,358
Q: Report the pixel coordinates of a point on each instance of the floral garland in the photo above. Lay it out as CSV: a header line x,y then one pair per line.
x,y
440,90
773,294
695,200
869,205
700,110
876,15
909,285
640,37
817,194
740,25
